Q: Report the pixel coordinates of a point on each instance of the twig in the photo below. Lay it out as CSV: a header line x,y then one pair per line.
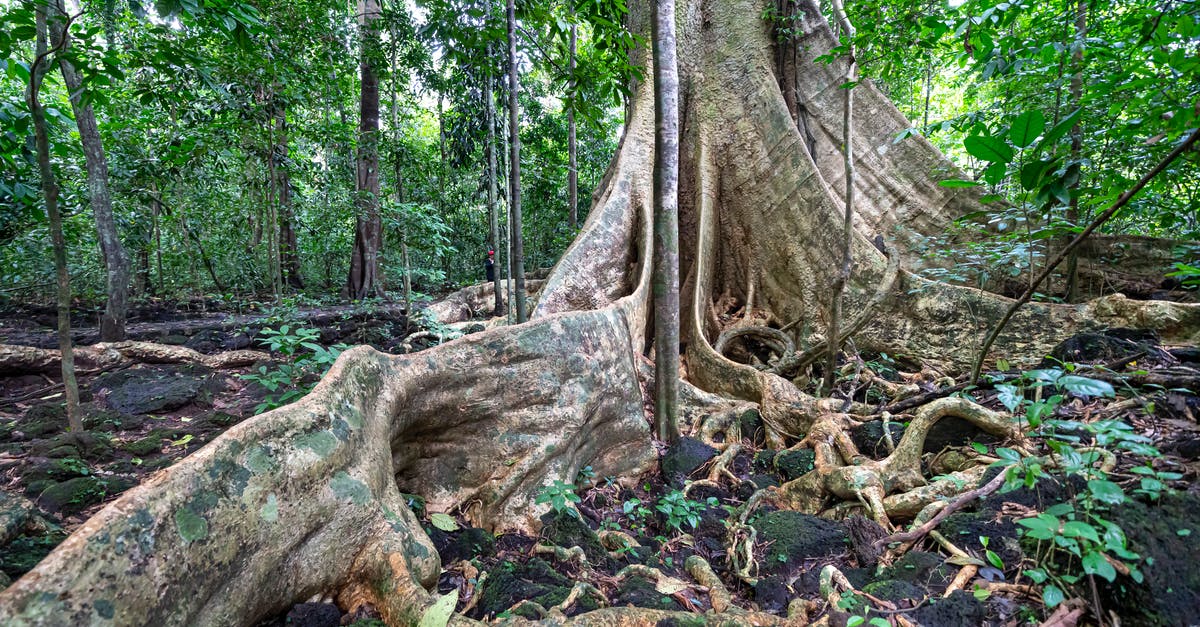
x,y
955,505
1062,254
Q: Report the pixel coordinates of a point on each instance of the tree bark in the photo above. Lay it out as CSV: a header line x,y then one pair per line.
x,y
666,223
493,210
517,257
366,275
572,149
843,276
41,137
1076,95
116,261
289,249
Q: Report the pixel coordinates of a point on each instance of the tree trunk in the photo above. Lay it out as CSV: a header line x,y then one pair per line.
x,y
493,210
289,250
517,258
366,275
314,489
41,137
666,223
572,149
1072,270
116,261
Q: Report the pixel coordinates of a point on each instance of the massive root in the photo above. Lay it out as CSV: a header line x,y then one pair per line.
x,y
307,499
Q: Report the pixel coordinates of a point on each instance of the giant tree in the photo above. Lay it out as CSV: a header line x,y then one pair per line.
x,y
314,489
366,276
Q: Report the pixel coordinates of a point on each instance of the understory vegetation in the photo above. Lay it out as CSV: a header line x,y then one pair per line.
x,y
931,269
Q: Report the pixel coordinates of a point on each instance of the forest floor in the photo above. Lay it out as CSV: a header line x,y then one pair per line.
x,y
634,540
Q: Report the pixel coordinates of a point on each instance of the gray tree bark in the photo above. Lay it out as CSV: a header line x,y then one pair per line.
x,y
517,258
666,223
366,275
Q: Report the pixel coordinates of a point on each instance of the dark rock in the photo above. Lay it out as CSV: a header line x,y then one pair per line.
x,y
74,495
684,457
965,528
639,592
314,615
54,470
920,568
1166,534
511,582
1102,347
751,425
794,464
466,544
148,445
895,590
960,608
73,444
207,341
771,594
567,530
764,481
764,461
791,538
157,389
954,431
42,420
868,437
174,339
236,342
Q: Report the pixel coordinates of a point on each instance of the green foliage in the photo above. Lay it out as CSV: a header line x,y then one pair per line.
x,y
678,509
561,497
1075,538
303,363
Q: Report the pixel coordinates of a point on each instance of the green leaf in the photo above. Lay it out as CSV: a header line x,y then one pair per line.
x,y
1077,529
988,148
1106,491
1042,527
1060,129
1084,386
995,173
1032,173
1010,396
439,614
1052,596
957,183
1094,563
444,522
1026,128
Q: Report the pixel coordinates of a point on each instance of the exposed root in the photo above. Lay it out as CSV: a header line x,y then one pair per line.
x,y
616,541
580,588
573,554
703,573
15,359
832,580
775,340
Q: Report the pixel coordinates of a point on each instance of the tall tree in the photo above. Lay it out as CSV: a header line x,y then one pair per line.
x,y
666,223
572,150
517,258
493,210
50,195
366,276
116,261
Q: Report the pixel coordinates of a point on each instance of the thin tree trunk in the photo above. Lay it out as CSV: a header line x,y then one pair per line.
x,y
116,261
665,276
572,149
493,211
50,192
365,274
843,276
1072,270
514,168
289,250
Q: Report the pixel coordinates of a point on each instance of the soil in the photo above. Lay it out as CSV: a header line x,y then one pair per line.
x,y
144,418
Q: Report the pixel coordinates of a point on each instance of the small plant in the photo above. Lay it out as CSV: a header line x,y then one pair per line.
x,y
679,509
559,495
303,359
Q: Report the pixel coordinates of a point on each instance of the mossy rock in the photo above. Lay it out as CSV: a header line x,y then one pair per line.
x,y
54,470
158,389
85,444
792,538
921,568
868,437
751,426
43,420
511,582
794,464
895,590
764,461
953,431
640,592
960,608
771,594
74,495
1165,535
152,443
568,529
465,544
24,552
683,458
965,528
